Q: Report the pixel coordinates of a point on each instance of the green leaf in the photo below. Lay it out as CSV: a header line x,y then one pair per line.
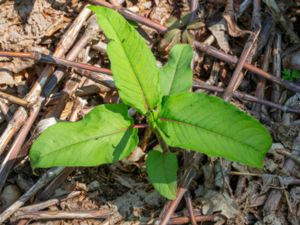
x,y
162,171
132,62
209,125
105,135
295,74
176,76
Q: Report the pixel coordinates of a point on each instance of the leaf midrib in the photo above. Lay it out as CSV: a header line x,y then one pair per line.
x,y
207,130
131,65
88,139
176,68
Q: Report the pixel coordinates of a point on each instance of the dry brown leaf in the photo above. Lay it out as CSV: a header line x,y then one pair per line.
x,y
218,30
229,16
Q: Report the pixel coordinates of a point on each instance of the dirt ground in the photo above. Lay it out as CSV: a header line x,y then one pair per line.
x,y
229,192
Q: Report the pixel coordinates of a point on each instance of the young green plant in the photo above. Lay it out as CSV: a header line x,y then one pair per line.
x,y
179,118
290,75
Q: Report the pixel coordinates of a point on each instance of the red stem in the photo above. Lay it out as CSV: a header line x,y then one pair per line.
x,y
140,126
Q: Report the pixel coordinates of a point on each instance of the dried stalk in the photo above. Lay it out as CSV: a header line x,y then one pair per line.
x,y
277,71
260,88
214,73
185,220
47,204
57,215
12,127
57,60
14,150
267,31
13,99
41,183
5,110
54,184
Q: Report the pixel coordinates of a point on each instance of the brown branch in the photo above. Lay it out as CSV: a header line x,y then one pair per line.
x,y
49,59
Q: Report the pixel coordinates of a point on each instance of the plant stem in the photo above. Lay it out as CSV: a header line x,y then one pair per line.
x,y
140,126
161,142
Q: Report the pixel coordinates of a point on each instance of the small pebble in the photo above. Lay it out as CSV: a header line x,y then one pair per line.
x,y
134,9
9,195
94,185
24,182
147,5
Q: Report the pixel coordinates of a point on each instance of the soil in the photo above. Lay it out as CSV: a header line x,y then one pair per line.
x,y
231,192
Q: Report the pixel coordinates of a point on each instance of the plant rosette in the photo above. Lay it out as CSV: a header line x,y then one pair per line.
x,y
194,121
